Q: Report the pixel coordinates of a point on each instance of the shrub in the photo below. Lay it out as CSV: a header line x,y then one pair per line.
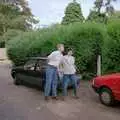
x,y
30,44
2,43
111,48
85,39
10,34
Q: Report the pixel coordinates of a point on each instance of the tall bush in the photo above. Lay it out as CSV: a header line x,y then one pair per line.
x,y
30,44
85,39
111,48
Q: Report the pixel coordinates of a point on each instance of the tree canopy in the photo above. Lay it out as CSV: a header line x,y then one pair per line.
x,y
101,11
73,13
15,15
115,16
106,4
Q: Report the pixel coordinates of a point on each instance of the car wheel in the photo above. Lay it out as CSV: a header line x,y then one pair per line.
x,y
106,97
17,81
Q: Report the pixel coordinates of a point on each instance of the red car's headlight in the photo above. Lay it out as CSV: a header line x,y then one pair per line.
x,y
93,82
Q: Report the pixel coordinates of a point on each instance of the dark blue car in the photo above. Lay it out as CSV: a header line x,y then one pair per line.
x,y
32,72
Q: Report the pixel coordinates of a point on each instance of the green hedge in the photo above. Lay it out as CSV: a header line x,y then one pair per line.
x,y
30,44
111,48
85,39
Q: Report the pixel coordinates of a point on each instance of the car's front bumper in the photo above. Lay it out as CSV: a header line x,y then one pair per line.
x,y
96,89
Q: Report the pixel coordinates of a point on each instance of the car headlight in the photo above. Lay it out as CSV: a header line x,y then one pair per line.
x,y
93,82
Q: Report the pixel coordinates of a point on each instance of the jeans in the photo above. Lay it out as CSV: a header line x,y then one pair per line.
x,y
51,81
67,78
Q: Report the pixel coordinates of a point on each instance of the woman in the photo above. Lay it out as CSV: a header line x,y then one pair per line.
x,y
69,73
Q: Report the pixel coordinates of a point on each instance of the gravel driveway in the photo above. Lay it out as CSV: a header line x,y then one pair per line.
x,y
23,103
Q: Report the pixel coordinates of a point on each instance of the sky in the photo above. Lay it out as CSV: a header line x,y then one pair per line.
x,y
51,11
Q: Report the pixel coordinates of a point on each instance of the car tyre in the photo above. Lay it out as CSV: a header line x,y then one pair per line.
x,y
106,97
17,81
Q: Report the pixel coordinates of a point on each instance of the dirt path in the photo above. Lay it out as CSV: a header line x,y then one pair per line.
x,y
23,103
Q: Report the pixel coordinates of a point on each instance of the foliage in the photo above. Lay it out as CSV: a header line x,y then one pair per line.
x,y
114,17
102,4
15,16
85,39
97,14
73,13
111,48
97,17
2,43
10,34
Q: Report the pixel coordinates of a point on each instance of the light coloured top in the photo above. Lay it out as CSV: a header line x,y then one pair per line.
x,y
55,58
69,65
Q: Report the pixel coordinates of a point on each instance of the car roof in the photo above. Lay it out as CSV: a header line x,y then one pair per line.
x,y
38,58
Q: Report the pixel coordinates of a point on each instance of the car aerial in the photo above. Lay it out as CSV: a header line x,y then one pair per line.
x,y
32,72
108,88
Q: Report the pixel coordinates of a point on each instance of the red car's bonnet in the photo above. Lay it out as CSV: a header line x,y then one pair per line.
x,y
115,75
106,79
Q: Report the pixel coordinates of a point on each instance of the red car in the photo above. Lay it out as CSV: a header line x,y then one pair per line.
x,y
108,88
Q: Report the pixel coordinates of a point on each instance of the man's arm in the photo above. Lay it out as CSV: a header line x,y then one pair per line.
x,y
51,56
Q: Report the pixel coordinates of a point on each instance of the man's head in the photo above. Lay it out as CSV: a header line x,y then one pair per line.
x,y
60,47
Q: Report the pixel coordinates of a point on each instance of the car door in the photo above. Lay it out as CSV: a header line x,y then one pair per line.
x,y
40,72
28,74
117,87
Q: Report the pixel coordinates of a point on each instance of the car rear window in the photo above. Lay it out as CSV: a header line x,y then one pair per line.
x,y
41,64
30,65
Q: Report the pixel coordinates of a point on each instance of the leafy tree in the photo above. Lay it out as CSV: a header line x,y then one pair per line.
x,y
73,13
104,4
97,13
20,11
7,14
97,17
115,16
15,15
11,33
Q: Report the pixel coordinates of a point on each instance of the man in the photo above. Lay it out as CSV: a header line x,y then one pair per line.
x,y
69,71
54,60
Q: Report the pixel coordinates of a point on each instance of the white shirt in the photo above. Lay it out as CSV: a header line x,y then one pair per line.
x,y
55,58
69,65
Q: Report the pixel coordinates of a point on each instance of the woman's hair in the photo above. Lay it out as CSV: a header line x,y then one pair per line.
x,y
66,51
69,49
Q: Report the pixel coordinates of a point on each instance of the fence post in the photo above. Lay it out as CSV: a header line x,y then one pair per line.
x,y
99,65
